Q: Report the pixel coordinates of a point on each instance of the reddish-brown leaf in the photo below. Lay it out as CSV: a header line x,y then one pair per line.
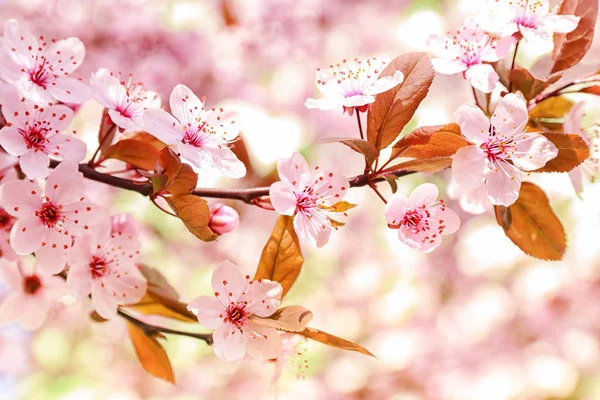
x,y
141,154
288,319
432,165
176,177
595,90
531,224
145,137
151,354
194,213
572,151
106,133
571,47
333,341
281,258
430,142
393,109
529,83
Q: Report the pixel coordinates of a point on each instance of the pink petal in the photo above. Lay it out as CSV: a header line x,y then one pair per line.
x,y
19,38
67,147
185,105
83,217
503,184
482,77
503,47
475,201
20,198
314,230
510,116
52,255
11,307
163,126
424,195
228,282
264,297
325,103
14,109
357,100
65,183
533,152
223,123
123,121
294,170
467,167
54,287
27,235
474,124
229,344
572,122
11,275
384,84
396,209
60,116
331,187
125,223
560,23
448,67
208,310
12,141
10,70
79,279
103,301
425,241
283,198
70,90
127,284
446,220
263,343
576,177
107,88
443,47
66,55
33,311
226,162
34,164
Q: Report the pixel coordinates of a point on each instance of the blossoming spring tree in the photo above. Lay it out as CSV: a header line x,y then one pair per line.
x,y
56,242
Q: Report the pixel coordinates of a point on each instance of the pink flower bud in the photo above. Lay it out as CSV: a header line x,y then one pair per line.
x,y
124,224
223,219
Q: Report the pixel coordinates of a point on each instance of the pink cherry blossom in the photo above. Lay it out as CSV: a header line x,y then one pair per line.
x,y
124,224
223,219
309,196
352,84
473,201
34,133
48,219
6,223
40,67
126,101
501,150
468,52
202,136
421,220
236,301
590,167
103,264
531,18
31,294
291,356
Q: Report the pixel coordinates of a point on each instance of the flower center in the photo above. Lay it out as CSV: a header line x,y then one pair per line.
x,y
416,220
6,220
50,215
306,201
98,267
31,284
195,136
237,314
35,136
40,74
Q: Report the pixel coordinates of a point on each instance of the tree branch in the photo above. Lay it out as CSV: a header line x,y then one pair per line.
x,y
153,329
245,195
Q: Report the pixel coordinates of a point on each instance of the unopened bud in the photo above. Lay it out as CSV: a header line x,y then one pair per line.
x,y
223,219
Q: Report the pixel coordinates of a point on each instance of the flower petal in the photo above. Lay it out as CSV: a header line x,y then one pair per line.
x,y
448,67
474,124
560,23
70,90
103,301
208,310
19,38
226,162
283,198
263,343
27,235
230,344
67,147
482,77
20,198
396,209
228,282
12,141
468,166
294,170
423,195
503,184
66,55
185,105
510,116
314,230
385,83
533,152
34,164
65,184
162,125
264,297
52,255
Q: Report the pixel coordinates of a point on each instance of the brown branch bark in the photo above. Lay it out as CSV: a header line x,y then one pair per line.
x,y
245,195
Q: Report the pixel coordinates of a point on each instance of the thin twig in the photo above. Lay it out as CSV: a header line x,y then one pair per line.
x,y
476,99
153,329
374,187
512,66
360,129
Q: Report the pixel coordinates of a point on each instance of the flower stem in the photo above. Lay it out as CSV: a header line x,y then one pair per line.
x,y
360,129
153,329
512,66
373,186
